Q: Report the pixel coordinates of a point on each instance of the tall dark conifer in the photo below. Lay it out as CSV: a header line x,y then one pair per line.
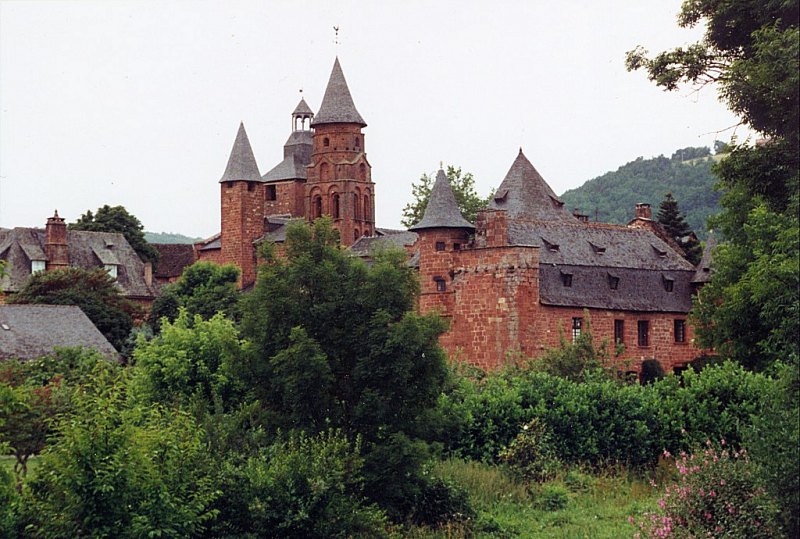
x,y
670,217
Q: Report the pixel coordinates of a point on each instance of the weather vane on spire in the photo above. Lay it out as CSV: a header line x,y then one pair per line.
x,y
336,35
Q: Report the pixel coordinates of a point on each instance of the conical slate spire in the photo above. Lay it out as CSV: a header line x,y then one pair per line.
x,y
442,210
525,195
302,109
242,163
337,106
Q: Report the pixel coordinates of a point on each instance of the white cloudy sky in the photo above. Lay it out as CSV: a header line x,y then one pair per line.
x,y
138,102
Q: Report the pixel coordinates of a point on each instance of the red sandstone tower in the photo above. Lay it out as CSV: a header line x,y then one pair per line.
x,y
339,176
242,197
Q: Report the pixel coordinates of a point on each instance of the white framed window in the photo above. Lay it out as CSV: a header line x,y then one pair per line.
x,y
111,269
37,266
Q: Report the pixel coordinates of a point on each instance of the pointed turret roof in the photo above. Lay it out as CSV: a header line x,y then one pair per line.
x,y
337,106
525,195
442,210
242,163
302,109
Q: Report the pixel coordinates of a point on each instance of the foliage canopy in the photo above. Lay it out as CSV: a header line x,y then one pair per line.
x,y
463,186
117,219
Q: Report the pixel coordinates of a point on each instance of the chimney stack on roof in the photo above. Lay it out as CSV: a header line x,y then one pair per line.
x,y
643,211
55,246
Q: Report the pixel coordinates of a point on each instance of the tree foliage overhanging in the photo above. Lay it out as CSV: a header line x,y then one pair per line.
x,y
463,186
117,219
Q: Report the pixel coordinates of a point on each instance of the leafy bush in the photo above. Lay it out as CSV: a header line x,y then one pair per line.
x,y
443,501
553,498
718,495
8,504
303,487
118,471
651,371
531,455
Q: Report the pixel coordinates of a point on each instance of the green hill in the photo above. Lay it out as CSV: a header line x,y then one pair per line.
x,y
611,198
168,237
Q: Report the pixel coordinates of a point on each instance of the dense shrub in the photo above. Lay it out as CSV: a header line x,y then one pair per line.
x,y
718,494
531,455
599,420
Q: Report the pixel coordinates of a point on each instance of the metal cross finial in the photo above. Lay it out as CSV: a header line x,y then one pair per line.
x,y
336,35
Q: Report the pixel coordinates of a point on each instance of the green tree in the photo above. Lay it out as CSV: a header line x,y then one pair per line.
x,y
94,291
687,154
670,217
463,186
117,219
337,343
116,470
203,289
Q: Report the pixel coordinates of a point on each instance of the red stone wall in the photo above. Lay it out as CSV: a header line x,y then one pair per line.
x,y
210,255
341,167
242,215
290,199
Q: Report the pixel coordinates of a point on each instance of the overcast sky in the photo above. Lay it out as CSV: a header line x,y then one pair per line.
x,y
138,102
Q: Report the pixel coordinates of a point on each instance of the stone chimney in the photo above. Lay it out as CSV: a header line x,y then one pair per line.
x,y
643,211
55,246
582,217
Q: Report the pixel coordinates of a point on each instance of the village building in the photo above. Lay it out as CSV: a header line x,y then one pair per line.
x,y
527,274
27,251
33,331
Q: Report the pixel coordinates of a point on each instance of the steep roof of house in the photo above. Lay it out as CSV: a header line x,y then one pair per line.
x,y
302,109
33,331
367,246
337,105
19,246
173,258
241,163
442,209
705,267
291,168
525,195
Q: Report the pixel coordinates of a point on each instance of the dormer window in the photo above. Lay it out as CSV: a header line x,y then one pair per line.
x,y
556,203
598,250
37,266
566,279
659,252
550,246
668,283
111,269
613,282
500,196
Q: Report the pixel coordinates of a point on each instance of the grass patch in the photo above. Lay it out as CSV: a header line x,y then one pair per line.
x,y
574,505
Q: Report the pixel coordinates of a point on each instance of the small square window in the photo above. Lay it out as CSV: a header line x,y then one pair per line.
x,y
440,246
644,332
613,282
566,279
441,285
680,330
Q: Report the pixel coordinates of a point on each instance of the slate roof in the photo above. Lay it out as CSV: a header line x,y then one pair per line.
x,y
276,228
173,258
525,195
442,209
302,109
705,267
213,242
33,331
241,163
19,246
337,105
367,246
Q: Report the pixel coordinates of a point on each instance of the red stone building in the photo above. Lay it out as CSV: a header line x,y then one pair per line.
x,y
324,172
526,273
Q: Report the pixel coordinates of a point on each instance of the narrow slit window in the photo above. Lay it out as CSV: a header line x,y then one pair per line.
x,y
577,324
644,332
619,332
680,330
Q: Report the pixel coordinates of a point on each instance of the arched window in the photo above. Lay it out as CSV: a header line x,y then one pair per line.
x,y
358,142
316,207
335,206
367,208
356,205
326,142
